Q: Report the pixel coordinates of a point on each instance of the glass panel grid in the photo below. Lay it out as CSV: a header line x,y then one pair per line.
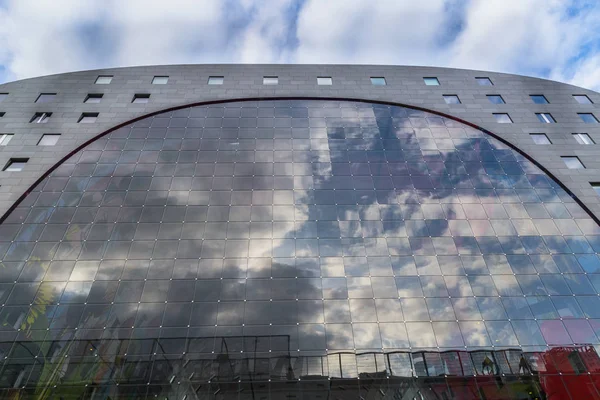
x,y
264,232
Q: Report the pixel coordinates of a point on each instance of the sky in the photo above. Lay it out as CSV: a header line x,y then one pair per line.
x,y
554,39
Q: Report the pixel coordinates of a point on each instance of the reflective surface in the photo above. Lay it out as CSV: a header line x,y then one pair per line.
x,y
289,230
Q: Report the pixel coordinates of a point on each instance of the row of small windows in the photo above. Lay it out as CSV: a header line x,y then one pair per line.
x,y
546,118
498,99
581,138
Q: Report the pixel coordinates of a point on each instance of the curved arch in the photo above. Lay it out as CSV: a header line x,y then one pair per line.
x,y
233,100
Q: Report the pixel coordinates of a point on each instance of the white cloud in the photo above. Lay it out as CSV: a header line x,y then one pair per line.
x,y
540,37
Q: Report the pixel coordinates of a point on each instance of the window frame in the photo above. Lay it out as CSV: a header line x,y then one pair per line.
x,y
543,118
575,158
489,96
594,119
21,161
451,96
274,80
41,97
579,96
47,135
40,118
215,80
376,79
99,96
581,137
155,79
433,79
539,96
85,115
141,97
5,138
100,78
488,81
510,120
538,134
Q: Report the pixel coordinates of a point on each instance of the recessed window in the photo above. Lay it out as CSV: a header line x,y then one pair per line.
x,y
572,162
3,96
45,97
540,138
93,98
5,138
484,81
451,99
495,99
582,99
596,186
539,99
270,80
588,118
160,80
49,139
216,80
324,80
104,79
431,81
583,138
40,118
141,98
546,118
503,118
2,114
88,118
15,164
378,81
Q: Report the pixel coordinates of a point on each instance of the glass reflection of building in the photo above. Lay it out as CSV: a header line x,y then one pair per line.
x,y
267,249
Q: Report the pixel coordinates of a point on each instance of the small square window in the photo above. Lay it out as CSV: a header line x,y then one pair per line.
x,y
3,96
451,99
596,186
88,118
40,118
539,99
546,118
93,98
5,138
588,118
49,139
216,80
324,80
104,79
45,97
270,80
583,138
378,81
540,138
141,98
431,81
15,164
503,118
582,99
160,80
484,81
495,99
572,162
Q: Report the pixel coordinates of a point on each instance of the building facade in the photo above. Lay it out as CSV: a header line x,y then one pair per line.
x,y
273,231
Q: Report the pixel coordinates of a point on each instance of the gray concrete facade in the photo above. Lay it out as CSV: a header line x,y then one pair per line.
x,y
188,84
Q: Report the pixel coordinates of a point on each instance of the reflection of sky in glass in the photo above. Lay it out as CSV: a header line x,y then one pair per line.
x,y
332,225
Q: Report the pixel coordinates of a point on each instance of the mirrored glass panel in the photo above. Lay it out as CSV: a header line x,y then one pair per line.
x,y
213,248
